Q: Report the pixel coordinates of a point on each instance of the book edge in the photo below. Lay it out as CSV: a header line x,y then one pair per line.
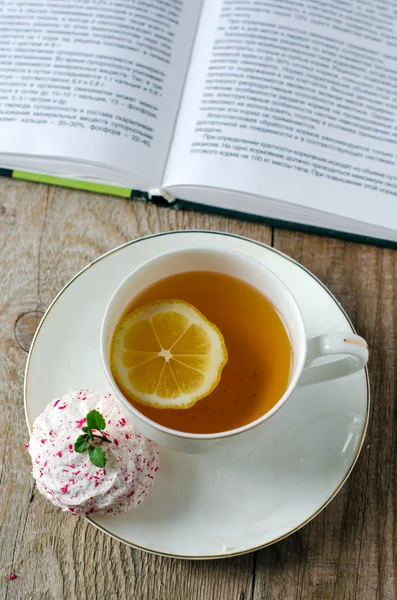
x,y
88,186
179,204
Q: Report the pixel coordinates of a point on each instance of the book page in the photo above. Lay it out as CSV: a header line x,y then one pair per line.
x,y
293,101
95,81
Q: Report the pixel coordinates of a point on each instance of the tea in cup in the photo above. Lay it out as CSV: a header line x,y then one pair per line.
x,y
165,362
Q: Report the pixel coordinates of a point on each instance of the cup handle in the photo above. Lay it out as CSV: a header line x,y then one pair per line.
x,y
353,345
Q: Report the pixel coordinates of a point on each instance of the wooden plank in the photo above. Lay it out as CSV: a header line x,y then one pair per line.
x,y
349,552
21,224
46,236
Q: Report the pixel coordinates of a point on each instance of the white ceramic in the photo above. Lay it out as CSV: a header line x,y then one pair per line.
x,y
253,272
229,500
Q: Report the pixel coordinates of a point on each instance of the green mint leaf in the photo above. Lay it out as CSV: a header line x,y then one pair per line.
x,y
86,429
97,456
82,444
95,420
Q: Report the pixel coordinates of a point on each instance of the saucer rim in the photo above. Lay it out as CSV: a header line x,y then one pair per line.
x,y
283,255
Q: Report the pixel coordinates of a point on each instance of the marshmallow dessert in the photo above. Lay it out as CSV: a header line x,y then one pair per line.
x,y
88,458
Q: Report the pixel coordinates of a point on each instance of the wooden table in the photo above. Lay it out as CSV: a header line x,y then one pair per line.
x,y
348,552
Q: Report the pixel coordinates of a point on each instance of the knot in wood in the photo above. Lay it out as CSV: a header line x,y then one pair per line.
x,y
25,328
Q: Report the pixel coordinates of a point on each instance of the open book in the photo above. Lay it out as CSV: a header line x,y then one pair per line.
x,y
277,109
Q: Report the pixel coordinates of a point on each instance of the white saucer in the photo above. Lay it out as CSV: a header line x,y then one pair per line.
x,y
229,501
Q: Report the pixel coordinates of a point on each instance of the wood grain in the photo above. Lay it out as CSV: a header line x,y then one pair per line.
x,y
47,235
349,552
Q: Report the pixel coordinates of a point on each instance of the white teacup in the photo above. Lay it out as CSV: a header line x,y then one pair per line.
x,y
304,351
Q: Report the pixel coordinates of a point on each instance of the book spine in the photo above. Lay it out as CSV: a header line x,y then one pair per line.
x,y
159,192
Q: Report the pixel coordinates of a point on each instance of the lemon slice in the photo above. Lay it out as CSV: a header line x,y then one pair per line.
x,y
167,355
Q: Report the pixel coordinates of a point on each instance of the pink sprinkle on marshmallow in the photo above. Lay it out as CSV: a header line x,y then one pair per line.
x,y
73,483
